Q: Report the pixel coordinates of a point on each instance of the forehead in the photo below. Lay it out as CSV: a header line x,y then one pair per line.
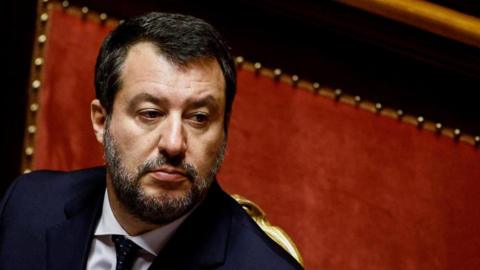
x,y
146,69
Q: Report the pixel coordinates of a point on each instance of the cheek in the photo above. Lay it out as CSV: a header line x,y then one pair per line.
x,y
204,151
135,146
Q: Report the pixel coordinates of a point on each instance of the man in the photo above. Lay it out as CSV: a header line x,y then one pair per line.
x,y
165,85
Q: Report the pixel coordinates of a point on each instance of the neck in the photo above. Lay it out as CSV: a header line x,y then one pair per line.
x,y
130,223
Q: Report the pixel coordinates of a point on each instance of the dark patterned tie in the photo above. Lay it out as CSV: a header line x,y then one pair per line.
x,y
126,251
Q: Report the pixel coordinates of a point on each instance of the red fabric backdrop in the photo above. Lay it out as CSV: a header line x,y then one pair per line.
x,y
353,189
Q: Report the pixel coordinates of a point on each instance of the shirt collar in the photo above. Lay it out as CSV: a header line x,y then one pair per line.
x,y
152,241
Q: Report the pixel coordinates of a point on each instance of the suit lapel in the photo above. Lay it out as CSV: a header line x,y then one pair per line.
x,y
201,241
68,242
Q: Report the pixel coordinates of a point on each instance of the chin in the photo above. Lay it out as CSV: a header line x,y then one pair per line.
x,y
159,190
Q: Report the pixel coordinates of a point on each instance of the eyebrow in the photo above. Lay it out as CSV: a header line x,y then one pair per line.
x,y
146,97
207,101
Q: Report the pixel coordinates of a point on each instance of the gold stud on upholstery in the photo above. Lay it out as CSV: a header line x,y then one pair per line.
x,y
438,128
400,114
103,17
34,107
257,66
295,80
65,4
337,94
32,129
378,107
420,121
477,141
36,84
42,38
84,11
456,134
29,151
357,100
316,87
239,60
44,17
38,61
277,73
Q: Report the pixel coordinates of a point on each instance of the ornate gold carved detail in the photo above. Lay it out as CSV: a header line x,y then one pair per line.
x,y
274,232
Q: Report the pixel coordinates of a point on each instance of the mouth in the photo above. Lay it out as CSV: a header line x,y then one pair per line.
x,y
168,175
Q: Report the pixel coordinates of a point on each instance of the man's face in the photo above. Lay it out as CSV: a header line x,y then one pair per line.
x,y
165,139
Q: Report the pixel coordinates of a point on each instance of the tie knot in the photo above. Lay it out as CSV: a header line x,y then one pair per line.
x,y
126,251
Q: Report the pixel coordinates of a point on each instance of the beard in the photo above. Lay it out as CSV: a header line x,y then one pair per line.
x,y
163,208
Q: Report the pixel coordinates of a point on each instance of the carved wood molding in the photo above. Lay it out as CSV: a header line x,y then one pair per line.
x,y
427,16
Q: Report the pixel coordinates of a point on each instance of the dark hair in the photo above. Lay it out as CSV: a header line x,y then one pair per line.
x,y
180,38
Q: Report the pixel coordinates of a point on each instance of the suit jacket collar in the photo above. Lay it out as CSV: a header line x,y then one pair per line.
x,y
201,241
68,242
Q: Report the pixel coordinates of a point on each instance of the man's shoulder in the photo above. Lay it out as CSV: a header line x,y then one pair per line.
x,y
50,181
220,233
51,175
38,202
46,192
251,248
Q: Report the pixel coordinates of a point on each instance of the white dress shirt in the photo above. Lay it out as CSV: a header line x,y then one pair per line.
x,y
102,254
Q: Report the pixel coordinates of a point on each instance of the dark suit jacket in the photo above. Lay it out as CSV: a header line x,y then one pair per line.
x,y
47,220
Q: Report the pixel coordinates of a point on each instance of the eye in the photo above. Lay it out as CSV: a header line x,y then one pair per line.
x,y
150,114
199,119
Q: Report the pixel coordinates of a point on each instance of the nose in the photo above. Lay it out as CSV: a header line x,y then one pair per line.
x,y
172,142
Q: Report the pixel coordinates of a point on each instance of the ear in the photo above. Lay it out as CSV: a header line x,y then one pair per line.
x,y
98,115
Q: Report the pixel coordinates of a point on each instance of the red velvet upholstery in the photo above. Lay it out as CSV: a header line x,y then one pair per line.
x,y
354,190
65,139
